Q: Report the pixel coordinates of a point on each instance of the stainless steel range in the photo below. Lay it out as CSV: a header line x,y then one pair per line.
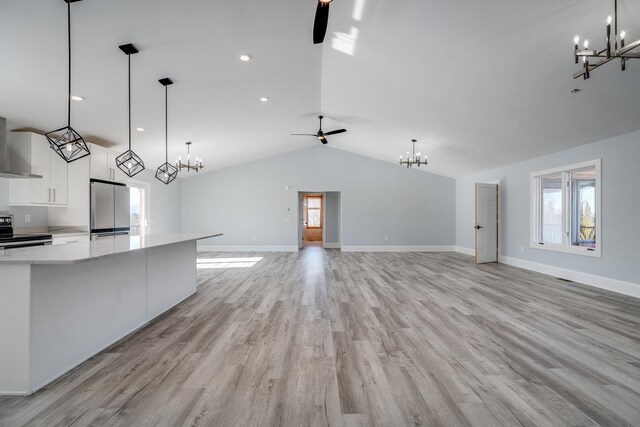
x,y
9,240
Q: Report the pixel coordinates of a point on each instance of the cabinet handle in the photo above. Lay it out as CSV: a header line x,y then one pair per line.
x,y
54,195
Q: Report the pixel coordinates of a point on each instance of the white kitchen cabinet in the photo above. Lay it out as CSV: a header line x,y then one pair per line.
x,y
52,188
103,165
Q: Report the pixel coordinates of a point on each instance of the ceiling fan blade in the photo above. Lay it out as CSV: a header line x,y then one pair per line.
x,y
303,134
320,23
323,140
335,132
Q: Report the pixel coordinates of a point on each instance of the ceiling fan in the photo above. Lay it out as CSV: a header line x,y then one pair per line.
x,y
321,135
321,21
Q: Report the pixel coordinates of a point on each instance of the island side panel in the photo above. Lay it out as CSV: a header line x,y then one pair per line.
x,y
15,289
78,310
171,276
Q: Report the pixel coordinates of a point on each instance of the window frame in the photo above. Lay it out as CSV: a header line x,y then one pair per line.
x,y
535,224
320,209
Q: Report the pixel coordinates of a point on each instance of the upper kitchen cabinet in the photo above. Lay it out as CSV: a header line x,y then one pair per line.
x,y
52,188
103,165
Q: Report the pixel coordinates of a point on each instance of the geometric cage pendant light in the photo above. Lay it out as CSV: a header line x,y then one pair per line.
x,y
166,172
129,162
66,141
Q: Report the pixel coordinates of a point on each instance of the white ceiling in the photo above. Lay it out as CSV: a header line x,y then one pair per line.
x,y
480,84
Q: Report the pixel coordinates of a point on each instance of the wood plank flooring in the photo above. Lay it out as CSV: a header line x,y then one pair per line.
x,y
357,339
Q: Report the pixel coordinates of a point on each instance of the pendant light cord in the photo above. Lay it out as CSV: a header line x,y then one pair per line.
x,y
69,46
129,56
166,125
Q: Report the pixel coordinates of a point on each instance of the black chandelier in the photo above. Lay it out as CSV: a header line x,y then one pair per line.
x,y
412,158
196,166
129,162
66,141
618,51
166,172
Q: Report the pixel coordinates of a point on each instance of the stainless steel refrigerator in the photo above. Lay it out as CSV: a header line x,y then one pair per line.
x,y
109,209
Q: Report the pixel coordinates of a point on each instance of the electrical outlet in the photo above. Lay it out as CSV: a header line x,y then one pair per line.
x,y
521,248
255,238
386,238
27,218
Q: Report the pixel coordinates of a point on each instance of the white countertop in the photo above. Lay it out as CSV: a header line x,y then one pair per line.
x,y
78,252
55,231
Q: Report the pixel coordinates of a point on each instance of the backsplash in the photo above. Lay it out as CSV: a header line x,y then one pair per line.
x,y
39,215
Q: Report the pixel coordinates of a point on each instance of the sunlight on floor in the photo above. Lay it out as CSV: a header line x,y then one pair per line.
x,y
208,263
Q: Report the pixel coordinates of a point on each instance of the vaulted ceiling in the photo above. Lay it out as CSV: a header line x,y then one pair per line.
x,y
479,84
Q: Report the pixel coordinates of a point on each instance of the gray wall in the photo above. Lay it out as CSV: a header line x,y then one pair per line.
x,y
250,205
620,208
332,217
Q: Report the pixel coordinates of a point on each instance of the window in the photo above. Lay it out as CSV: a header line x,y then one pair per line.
x,y
314,212
565,205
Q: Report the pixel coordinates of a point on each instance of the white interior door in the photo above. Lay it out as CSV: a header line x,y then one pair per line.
x,y
486,227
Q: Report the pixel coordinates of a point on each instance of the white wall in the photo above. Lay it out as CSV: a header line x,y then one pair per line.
x,y
620,210
166,209
382,204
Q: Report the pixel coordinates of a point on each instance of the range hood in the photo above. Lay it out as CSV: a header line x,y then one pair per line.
x,y
9,169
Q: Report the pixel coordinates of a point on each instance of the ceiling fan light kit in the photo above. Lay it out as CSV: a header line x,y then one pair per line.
x,y
412,158
66,141
166,172
129,162
619,50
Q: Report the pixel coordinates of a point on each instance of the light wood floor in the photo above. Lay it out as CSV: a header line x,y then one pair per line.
x,y
330,338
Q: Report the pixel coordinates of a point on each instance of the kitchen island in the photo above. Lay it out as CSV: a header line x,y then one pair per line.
x,y
62,304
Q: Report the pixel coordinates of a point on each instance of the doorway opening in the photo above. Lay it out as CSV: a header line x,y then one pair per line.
x,y
138,208
313,219
320,217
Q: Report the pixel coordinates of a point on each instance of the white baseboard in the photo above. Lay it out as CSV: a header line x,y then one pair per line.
x,y
397,248
466,251
331,245
614,285
223,248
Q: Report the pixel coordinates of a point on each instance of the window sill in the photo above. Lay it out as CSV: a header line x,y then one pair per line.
x,y
575,250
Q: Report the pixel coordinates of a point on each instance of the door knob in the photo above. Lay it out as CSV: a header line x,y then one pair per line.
x,y
478,227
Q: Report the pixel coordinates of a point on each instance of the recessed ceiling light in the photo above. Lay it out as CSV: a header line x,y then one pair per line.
x,y
264,99
140,129
246,57
77,98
